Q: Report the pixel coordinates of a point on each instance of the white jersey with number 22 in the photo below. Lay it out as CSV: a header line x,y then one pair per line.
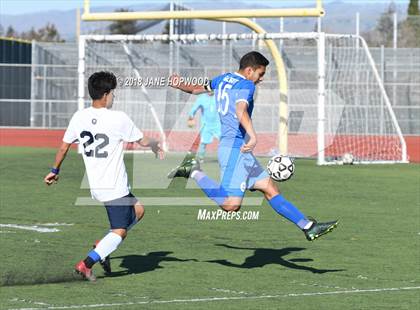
x,y
102,132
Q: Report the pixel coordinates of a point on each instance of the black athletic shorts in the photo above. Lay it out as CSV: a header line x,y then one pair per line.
x,y
121,212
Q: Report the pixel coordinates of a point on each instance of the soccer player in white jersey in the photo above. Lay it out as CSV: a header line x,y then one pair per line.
x,y
102,133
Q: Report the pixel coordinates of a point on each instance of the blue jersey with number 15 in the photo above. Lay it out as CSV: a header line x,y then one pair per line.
x,y
230,88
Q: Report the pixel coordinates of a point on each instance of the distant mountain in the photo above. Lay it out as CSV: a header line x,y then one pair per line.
x,y
340,18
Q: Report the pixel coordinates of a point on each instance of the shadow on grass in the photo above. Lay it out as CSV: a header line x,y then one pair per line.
x,y
17,278
133,264
143,263
262,257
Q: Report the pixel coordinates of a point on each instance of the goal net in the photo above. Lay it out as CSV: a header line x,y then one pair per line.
x,y
336,102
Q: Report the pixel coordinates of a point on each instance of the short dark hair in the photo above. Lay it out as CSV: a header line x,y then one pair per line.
x,y
253,59
101,83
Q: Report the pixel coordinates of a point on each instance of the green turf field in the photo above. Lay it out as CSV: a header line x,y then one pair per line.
x,y
173,261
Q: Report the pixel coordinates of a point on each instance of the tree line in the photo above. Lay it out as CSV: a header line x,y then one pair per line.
x,y
48,33
408,30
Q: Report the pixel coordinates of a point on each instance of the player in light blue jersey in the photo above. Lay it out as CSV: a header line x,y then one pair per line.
x,y
239,169
210,121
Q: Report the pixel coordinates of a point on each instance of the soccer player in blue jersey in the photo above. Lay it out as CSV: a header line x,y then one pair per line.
x,y
210,122
239,169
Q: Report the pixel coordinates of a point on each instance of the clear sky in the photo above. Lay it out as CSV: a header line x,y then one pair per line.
x,y
29,6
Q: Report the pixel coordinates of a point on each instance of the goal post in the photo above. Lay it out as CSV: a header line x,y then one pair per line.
x,y
367,127
336,100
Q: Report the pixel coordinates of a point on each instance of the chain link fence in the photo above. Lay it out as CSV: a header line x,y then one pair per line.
x,y
54,80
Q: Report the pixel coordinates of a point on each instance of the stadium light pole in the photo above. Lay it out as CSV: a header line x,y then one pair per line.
x,y
236,16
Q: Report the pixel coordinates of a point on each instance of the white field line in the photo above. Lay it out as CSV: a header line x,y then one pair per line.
x,y
171,201
210,299
33,228
38,227
54,224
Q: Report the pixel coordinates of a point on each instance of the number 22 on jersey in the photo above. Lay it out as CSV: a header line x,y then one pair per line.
x,y
100,137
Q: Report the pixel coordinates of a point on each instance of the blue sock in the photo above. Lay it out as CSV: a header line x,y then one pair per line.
x,y
94,257
289,211
212,189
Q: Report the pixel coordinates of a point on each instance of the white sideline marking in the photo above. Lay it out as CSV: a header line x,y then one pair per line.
x,y
171,201
209,299
33,228
54,224
37,227
229,291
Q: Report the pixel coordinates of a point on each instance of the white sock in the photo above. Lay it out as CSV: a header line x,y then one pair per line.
x,y
307,226
193,174
197,175
108,244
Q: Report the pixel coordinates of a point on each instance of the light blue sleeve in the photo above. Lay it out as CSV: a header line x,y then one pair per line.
x,y
197,105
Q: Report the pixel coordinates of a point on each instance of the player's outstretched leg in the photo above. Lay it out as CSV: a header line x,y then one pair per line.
x,y
213,190
311,228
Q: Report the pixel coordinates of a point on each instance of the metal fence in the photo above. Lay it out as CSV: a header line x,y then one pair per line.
x,y
54,80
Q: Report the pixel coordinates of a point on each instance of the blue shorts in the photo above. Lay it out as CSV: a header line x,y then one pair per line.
x,y
121,212
239,171
208,133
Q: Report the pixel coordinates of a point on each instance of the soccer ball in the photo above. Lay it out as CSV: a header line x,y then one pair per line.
x,y
348,159
280,168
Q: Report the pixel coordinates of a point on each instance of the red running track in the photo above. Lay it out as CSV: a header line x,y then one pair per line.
x,y
304,145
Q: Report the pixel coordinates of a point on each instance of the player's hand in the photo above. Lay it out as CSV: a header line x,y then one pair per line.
x,y
51,178
159,153
174,80
249,147
191,123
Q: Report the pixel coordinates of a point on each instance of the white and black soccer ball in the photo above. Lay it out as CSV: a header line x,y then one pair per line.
x,y
347,159
280,168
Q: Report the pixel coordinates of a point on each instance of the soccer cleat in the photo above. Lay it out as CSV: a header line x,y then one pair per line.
x,y
319,229
106,262
188,158
84,271
188,165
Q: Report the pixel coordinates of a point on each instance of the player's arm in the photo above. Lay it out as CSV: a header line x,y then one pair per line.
x,y
194,109
130,133
153,144
175,82
191,121
246,122
52,177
